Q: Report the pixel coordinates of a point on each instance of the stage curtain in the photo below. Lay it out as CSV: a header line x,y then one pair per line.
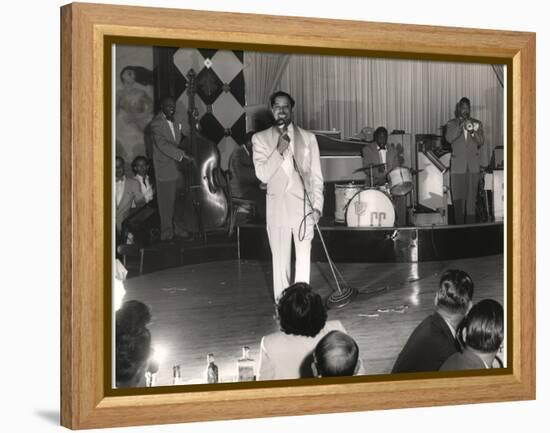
x,y
348,93
262,74
499,72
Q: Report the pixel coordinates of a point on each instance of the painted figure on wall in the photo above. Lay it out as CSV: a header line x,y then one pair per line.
x,y
134,111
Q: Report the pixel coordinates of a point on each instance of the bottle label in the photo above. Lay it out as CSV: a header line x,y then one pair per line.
x,y
246,373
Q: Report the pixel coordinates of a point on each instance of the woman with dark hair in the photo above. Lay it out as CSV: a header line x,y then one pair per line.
x,y
132,317
481,334
301,311
303,322
133,344
134,110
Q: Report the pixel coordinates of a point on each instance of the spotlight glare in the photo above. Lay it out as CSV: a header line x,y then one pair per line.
x,y
159,353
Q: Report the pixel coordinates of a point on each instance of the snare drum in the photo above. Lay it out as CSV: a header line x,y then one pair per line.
x,y
400,180
343,192
370,208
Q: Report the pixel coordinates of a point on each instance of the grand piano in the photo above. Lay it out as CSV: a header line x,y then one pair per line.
x,y
339,158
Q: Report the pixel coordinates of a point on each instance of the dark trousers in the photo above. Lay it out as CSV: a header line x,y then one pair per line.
x,y
400,206
166,198
464,190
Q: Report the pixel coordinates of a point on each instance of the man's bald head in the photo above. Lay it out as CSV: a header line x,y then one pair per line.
x,y
337,354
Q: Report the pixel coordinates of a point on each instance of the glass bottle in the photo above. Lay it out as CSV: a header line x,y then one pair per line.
x,y
176,375
151,373
245,367
211,369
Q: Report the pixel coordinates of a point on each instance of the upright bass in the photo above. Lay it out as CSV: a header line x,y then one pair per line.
x,y
203,201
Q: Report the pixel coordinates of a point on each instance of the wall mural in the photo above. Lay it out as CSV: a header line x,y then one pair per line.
x,y
134,110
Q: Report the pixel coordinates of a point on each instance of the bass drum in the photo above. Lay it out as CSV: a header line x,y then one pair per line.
x,y
343,193
370,208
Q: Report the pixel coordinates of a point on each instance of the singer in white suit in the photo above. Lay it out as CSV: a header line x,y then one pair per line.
x,y
286,158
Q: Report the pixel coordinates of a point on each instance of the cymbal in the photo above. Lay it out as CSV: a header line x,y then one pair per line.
x,y
368,167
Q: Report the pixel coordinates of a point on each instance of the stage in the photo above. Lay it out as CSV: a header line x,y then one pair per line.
x,y
384,244
220,306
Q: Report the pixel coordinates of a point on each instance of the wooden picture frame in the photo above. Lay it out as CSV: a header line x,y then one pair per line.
x,y
85,218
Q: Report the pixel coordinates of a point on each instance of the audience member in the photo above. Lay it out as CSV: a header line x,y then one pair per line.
x,y
127,195
143,224
336,354
132,317
302,318
133,344
434,339
481,334
140,167
132,354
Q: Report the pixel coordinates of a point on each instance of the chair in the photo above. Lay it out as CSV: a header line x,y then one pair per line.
x,y
237,204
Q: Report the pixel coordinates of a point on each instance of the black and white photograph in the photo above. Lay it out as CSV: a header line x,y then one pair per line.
x,y
282,216
267,217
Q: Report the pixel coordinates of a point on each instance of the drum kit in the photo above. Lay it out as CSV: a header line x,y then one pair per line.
x,y
358,205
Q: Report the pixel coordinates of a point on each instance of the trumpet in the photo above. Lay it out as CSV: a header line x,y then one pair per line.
x,y
471,125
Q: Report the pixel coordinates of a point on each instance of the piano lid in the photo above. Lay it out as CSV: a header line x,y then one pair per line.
x,y
332,147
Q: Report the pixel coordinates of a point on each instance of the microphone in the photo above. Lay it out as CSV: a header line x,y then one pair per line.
x,y
283,131
283,126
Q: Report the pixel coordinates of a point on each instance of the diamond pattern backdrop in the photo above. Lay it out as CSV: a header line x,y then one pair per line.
x,y
220,93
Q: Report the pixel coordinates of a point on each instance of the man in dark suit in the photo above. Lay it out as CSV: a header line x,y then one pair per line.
x,y
167,134
386,158
466,137
434,339
127,196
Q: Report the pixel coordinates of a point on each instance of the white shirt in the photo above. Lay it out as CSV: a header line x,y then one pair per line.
x,y
120,189
382,153
453,330
171,125
146,187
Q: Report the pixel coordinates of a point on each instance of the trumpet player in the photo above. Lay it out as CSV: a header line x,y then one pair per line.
x,y
465,134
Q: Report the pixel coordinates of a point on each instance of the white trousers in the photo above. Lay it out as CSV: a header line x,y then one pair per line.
x,y
280,243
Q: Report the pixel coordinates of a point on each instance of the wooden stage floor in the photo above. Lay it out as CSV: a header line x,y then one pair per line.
x,y
219,307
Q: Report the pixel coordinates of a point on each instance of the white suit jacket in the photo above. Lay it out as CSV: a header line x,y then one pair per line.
x,y
286,204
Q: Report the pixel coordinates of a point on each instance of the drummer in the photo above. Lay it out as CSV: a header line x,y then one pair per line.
x,y
384,159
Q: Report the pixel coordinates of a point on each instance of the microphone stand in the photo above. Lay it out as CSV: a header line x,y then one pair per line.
x,y
344,294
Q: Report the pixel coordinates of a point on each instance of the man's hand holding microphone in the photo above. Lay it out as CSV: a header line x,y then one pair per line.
x,y
284,140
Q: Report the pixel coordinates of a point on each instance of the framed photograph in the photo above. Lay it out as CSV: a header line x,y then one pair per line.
x,y
268,216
